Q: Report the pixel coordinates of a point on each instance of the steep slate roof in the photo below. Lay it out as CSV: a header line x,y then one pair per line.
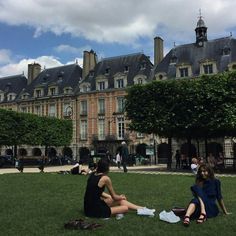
x,y
192,54
117,65
12,84
70,76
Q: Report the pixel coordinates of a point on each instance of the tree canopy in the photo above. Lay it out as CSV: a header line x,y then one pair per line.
x,y
195,108
21,128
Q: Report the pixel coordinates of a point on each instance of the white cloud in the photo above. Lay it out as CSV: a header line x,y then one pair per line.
x,y
22,66
119,21
5,56
73,50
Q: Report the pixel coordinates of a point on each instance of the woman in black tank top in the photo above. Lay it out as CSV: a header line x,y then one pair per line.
x,y
99,204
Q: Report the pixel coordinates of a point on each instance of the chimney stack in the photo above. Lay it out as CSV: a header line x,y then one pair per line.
x,y
158,50
89,62
34,70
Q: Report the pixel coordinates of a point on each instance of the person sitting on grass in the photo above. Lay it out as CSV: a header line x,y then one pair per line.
x,y
206,191
99,204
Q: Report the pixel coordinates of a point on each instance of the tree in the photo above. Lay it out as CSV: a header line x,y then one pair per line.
x,y
185,108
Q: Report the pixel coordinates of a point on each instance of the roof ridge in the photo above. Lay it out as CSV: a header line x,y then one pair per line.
x,y
120,56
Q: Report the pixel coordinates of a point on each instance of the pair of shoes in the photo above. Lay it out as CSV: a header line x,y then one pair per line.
x,y
202,218
119,216
146,211
186,221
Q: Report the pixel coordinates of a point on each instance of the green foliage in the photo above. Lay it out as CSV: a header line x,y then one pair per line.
x,y
20,128
197,108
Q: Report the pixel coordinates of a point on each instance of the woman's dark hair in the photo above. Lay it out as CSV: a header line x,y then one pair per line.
x,y
208,169
102,166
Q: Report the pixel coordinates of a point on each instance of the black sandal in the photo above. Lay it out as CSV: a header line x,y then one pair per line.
x,y
201,220
186,221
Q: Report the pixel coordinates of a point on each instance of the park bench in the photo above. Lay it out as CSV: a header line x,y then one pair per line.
x,y
30,161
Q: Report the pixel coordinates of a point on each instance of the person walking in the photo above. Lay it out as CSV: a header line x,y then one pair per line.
x,y
124,156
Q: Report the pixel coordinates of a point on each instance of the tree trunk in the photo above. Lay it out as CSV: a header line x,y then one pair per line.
x,y
190,154
206,148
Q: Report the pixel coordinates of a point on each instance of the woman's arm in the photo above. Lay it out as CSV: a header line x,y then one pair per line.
x,y
222,206
106,195
105,180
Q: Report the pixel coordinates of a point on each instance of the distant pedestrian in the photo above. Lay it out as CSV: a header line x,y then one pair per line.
x,y
124,156
177,159
118,159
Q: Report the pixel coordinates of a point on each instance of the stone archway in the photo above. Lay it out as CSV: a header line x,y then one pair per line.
x,y
163,150
36,152
67,151
9,152
52,152
141,149
22,152
84,154
214,148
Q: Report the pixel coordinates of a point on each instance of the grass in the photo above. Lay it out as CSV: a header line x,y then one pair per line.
x,y
40,204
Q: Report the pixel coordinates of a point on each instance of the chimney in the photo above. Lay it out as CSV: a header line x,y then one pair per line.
x,y
89,62
158,50
34,70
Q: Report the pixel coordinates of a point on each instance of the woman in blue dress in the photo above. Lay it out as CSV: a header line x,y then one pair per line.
x,y
206,192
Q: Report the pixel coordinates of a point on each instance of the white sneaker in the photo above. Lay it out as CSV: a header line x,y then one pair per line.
x,y
146,212
119,216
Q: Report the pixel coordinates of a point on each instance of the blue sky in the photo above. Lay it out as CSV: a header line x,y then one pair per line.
x,y
53,33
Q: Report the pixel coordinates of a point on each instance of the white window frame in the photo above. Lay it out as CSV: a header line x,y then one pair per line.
x,y
83,129
120,128
83,107
101,106
120,104
101,129
52,110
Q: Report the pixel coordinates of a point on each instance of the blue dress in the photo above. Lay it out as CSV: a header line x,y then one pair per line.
x,y
210,192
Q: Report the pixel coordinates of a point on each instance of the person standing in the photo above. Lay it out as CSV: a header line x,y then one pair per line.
x,y
177,159
124,156
118,159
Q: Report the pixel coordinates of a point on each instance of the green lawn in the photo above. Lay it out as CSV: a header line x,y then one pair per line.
x,y
40,204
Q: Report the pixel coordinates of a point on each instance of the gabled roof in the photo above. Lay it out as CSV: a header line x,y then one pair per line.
x,y
192,54
12,84
62,77
117,65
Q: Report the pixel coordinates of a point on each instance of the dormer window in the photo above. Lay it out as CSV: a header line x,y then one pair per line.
x,y
226,50
107,71
91,73
1,96
68,90
126,69
208,69
11,96
38,93
119,83
183,72
140,79
52,91
24,96
101,85
143,66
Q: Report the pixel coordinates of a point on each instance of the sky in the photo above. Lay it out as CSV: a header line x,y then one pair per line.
x,y
54,32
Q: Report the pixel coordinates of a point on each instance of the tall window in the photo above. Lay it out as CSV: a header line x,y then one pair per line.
x,y
208,69
37,110
120,104
83,107
101,129
121,127
24,109
183,72
52,110
101,106
83,129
